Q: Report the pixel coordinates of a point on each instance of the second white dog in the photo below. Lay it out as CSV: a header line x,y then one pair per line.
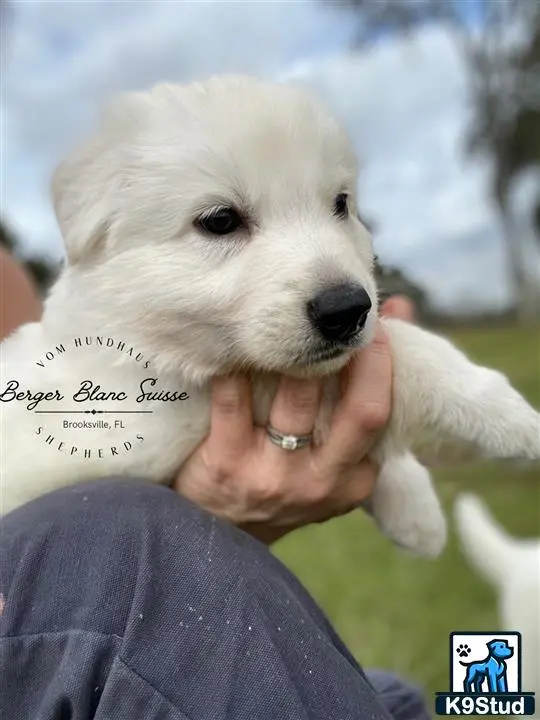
x,y
212,228
512,567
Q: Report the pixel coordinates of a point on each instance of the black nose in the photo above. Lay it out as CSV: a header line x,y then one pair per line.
x,y
339,312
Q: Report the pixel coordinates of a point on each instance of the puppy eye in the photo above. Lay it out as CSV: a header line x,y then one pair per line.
x,y
221,221
341,208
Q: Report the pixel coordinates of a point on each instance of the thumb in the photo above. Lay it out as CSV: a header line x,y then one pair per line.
x,y
400,307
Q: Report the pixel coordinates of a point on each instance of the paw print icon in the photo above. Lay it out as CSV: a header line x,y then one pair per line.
x,y
463,651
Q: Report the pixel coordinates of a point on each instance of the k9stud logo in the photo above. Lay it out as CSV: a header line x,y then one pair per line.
x,y
485,676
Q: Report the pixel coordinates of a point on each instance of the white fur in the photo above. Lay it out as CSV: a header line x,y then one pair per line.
x,y
196,306
512,567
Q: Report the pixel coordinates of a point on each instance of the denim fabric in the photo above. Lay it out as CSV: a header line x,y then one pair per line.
x,y
124,601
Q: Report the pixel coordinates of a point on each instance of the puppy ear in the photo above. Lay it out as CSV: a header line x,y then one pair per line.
x,y
86,187
89,186
80,186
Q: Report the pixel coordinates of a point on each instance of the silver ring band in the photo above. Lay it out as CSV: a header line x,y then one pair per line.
x,y
288,442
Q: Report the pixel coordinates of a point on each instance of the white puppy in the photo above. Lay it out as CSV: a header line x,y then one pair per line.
x,y
512,566
212,228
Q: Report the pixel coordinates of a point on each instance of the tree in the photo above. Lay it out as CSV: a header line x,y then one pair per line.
x,y
42,272
393,281
504,89
6,238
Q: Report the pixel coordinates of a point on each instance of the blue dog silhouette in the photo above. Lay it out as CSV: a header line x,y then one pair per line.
x,y
493,669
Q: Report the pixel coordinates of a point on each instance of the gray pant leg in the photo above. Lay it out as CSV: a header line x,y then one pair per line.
x,y
403,701
124,601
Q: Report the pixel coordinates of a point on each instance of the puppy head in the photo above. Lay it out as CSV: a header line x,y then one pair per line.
x,y
216,224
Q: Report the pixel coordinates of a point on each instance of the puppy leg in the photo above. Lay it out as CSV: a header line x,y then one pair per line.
x,y
406,507
446,406
491,416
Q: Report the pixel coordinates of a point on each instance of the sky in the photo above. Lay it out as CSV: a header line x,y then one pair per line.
x,y
404,102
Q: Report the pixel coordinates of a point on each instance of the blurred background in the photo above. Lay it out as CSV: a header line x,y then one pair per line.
x,y
442,101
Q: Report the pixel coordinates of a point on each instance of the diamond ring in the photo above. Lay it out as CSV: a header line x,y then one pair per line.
x,y
288,442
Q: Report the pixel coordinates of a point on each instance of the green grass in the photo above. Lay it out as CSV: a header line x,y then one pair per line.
x,y
395,611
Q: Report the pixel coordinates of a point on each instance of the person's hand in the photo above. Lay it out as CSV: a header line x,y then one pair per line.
x,y
239,474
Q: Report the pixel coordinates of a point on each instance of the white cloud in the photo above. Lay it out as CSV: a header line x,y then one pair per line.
x,y
66,58
404,103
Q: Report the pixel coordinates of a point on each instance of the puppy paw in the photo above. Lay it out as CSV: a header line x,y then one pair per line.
x,y
447,408
507,426
407,509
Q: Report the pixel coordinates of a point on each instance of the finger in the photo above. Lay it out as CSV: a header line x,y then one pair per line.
x,y
354,493
400,307
296,405
359,487
365,407
231,419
